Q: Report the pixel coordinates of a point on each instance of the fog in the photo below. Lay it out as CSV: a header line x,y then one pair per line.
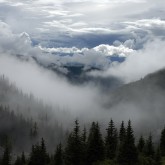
x,y
139,63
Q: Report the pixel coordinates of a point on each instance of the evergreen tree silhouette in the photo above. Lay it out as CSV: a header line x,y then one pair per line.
x,y
95,146
6,159
73,150
111,141
162,142
141,144
128,153
58,158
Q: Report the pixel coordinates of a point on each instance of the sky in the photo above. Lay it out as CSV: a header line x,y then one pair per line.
x,y
89,33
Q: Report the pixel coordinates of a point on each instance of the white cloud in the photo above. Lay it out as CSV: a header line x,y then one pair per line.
x,y
142,62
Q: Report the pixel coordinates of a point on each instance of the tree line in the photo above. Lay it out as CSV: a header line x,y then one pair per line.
x,y
118,147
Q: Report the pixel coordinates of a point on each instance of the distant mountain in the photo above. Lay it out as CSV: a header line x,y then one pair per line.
x,y
143,100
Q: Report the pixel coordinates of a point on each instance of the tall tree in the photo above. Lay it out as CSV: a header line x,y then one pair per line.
x,y
122,132
58,158
6,159
73,150
95,146
149,147
39,154
127,152
141,144
162,142
111,141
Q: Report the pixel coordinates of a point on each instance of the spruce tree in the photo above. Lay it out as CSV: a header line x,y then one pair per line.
x,y
84,146
6,159
73,150
18,161
162,142
149,148
39,154
111,141
122,132
127,152
23,159
141,144
58,158
95,146
158,157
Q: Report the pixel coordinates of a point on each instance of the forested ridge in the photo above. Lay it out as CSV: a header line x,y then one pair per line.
x,y
117,147
31,133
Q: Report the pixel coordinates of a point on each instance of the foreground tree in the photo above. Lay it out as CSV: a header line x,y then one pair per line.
x,y
162,142
95,146
111,141
58,158
127,152
73,150
6,159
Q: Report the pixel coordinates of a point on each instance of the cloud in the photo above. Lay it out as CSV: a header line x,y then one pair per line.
x,y
50,21
140,62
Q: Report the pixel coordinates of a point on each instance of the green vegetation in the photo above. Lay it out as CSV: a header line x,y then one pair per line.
x,y
91,148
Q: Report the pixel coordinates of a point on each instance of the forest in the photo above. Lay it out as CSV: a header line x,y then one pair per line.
x,y
118,147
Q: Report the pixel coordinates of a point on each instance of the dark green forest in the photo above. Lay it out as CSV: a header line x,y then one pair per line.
x,y
117,147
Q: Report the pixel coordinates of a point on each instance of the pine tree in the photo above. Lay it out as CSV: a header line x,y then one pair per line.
x,y
127,152
95,146
122,132
158,157
6,159
84,146
141,144
58,158
111,141
23,159
73,150
162,142
149,148
39,155
18,161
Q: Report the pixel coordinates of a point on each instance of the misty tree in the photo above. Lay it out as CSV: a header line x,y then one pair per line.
x,y
39,155
141,144
73,150
162,142
111,141
149,147
95,145
6,159
128,153
58,158
122,133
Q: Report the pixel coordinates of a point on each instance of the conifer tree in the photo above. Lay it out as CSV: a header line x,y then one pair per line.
x,y
18,161
73,151
84,146
23,159
39,154
158,157
95,146
122,132
141,144
58,158
6,159
162,142
128,153
111,141
149,148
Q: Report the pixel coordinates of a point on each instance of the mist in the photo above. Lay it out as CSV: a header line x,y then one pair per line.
x,y
139,63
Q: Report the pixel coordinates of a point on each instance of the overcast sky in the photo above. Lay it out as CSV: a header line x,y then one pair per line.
x,y
83,31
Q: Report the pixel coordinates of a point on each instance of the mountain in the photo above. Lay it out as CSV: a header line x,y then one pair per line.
x,y
143,101
24,120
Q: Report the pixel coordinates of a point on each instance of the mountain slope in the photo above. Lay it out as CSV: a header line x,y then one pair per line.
x,y
143,101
